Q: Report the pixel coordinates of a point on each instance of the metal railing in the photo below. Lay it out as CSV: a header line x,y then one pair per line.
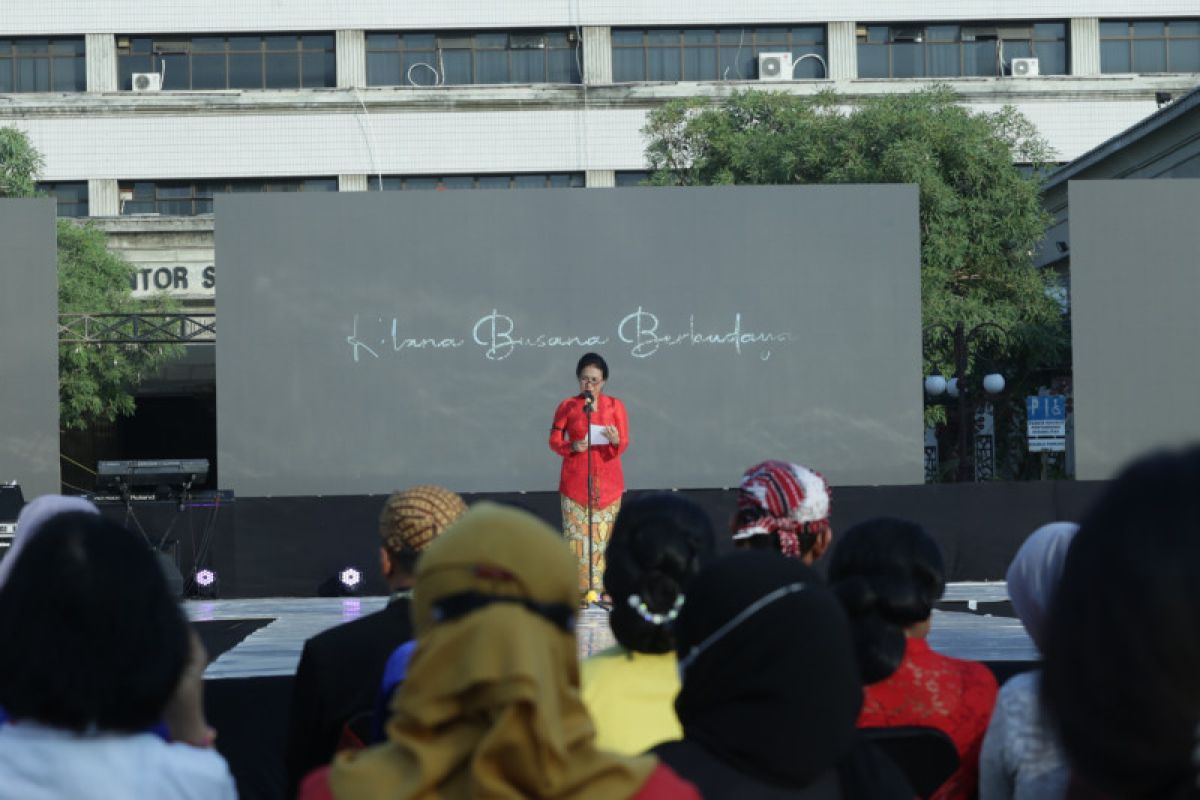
x,y
137,328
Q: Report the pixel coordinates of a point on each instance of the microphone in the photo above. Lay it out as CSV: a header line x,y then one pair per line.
x,y
590,400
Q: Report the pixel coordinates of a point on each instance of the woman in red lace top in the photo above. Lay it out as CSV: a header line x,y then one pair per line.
x,y
888,574
609,439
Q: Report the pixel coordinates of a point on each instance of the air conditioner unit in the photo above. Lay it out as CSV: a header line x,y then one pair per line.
x,y
1024,67
774,66
147,82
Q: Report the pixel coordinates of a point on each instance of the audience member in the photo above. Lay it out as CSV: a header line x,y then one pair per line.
x,y
1121,677
491,706
783,507
770,689
1021,756
888,573
658,545
96,652
35,514
341,669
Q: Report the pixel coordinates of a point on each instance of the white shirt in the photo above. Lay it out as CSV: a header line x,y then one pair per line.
x,y
42,763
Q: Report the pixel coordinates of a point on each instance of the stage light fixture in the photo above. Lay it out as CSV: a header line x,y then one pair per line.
x,y
205,582
351,580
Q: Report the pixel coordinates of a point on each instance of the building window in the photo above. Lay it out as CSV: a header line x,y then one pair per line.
x,y
632,177
72,196
275,61
713,54
42,65
445,59
525,180
950,51
189,198
1144,45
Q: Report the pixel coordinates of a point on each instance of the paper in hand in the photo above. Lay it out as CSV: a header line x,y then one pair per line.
x,y
599,435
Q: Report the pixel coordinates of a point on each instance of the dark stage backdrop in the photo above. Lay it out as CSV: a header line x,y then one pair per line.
x,y
293,546
29,346
1135,291
377,340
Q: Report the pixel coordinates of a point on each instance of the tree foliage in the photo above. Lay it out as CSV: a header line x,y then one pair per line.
x,y
981,216
20,163
96,381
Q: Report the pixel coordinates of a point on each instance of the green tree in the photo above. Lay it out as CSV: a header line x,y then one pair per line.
x,y
981,216
96,381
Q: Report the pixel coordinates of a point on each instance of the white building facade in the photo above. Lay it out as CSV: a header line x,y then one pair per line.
x,y
144,111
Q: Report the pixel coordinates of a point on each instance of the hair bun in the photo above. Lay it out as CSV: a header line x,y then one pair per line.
x,y
857,595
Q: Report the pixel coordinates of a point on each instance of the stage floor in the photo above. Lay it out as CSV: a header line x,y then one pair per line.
x,y
273,649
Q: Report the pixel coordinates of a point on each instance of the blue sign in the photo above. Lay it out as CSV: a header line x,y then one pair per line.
x,y
1046,423
1046,408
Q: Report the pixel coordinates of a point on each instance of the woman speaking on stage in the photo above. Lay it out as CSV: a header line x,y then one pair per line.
x,y
609,438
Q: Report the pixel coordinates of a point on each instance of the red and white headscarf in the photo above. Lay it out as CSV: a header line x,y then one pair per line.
x,y
785,499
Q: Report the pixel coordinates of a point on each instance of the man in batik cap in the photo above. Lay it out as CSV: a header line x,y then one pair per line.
x,y
784,507
338,679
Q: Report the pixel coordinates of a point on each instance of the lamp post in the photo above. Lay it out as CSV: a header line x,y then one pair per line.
x,y
960,387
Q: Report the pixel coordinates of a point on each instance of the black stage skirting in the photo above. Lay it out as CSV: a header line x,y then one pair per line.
x,y
290,546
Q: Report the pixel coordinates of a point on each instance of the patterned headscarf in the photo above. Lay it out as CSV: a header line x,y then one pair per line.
x,y
413,518
784,499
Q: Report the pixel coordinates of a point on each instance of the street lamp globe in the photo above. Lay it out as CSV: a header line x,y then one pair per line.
x,y
952,387
993,383
935,384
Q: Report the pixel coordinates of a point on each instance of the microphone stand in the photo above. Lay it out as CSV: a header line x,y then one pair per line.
x,y
587,410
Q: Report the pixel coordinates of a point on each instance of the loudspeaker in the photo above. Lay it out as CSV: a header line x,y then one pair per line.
x,y
11,501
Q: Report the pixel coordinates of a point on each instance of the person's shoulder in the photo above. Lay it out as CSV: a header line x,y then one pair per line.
x,y
599,664
392,618
665,783
184,771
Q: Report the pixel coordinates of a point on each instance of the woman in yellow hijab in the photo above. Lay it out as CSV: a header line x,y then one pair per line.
x,y
491,704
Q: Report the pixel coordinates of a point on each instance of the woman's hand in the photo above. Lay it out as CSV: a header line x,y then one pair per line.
x,y
579,446
614,437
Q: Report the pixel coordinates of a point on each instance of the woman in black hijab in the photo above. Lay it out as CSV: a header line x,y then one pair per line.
x,y
771,690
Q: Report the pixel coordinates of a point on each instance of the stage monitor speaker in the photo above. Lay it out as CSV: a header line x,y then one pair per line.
x,y
11,502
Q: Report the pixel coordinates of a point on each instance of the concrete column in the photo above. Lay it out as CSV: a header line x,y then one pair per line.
x,y
351,59
1085,46
843,51
103,195
600,178
353,183
597,54
101,59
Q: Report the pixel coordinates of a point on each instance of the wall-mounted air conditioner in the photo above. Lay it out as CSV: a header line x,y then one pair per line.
x,y
147,82
774,66
1024,67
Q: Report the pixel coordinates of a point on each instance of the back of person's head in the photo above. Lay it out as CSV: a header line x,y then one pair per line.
x,y
91,637
658,544
888,573
36,513
769,682
783,507
411,519
1122,652
1034,573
